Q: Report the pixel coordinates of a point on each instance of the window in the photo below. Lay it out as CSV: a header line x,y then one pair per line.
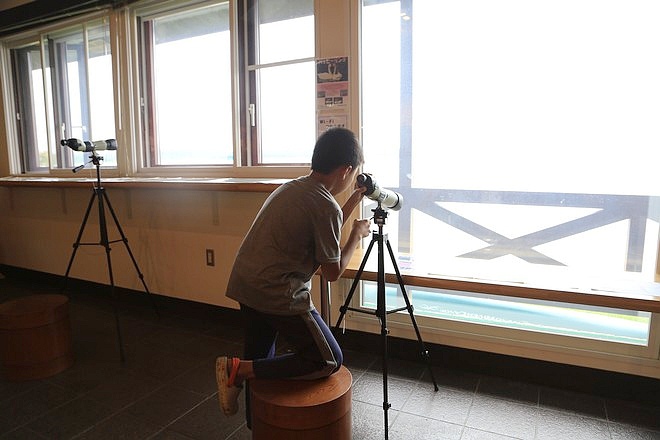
x,y
208,86
520,135
195,125
64,89
186,86
281,81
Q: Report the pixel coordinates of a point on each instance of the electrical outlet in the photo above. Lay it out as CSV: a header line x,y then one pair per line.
x,y
210,257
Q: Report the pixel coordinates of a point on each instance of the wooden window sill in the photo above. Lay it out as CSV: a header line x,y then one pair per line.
x,y
196,184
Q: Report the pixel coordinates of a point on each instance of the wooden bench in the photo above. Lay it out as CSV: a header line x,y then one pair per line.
x,y
296,409
35,337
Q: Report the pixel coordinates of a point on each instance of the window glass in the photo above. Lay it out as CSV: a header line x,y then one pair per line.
x,y
82,91
288,134
286,30
186,63
31,105
520,135
70,97
563,319
281,81
101,99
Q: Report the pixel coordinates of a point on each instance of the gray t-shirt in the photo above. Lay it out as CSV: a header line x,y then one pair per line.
x,y
297,229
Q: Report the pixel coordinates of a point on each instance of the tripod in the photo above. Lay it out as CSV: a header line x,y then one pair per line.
x,y
381,310
101,197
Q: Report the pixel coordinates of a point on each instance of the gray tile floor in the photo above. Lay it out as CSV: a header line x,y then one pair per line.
x,y
166,388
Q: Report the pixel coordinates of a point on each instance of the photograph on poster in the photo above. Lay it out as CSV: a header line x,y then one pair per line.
x,y
332,82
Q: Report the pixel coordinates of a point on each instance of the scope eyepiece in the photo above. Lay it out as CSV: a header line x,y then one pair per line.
x,y
74,144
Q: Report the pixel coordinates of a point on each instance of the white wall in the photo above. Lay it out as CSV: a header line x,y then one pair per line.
x,y
168,232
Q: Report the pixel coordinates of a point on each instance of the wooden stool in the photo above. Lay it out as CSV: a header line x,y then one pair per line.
x,y
35,337
296,409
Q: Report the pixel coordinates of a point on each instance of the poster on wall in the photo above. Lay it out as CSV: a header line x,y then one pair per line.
x,y
332,83
332,93
331,121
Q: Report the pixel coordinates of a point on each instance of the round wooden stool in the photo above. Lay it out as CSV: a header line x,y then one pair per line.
x,y
35,337
296,409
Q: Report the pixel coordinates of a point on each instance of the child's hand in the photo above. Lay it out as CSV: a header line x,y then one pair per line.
x,y
361,227
358,193
353,201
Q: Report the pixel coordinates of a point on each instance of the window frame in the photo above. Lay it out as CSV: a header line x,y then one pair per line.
x,y
125,43
244,149
471,334
39,37
142,16
250,107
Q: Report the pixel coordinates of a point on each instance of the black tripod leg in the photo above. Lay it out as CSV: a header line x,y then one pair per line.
x,y
130,253
76,244
113,294
382,315
103,231
409,307
343,309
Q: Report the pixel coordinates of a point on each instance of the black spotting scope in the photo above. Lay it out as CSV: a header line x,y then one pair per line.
x,y
80,145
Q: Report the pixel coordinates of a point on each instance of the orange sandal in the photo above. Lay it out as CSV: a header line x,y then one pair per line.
x,y
228,392
233,371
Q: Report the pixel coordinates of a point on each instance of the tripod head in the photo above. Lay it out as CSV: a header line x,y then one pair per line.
x,y
380,215
96,159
